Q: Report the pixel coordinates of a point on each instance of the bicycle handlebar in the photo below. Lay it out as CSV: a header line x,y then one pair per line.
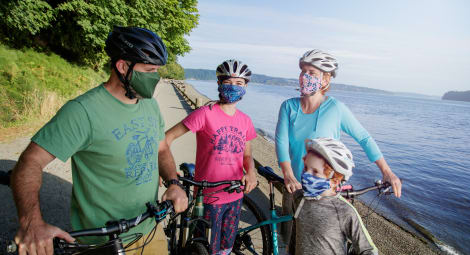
x,y
234,184
383,187
159,211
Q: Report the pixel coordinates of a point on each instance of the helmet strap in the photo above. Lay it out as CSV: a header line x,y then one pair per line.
x,y
125,80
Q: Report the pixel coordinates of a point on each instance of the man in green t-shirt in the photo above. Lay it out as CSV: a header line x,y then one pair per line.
x,y
114,134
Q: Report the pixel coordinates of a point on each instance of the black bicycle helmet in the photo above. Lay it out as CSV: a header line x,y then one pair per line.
x,y
137,45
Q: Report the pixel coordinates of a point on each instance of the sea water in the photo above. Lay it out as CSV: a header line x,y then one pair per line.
x,y
426,142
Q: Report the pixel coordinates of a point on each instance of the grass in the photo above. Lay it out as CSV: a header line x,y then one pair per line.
x,y
33,86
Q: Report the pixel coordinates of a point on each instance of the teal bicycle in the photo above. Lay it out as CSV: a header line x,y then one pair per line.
x,y
257,234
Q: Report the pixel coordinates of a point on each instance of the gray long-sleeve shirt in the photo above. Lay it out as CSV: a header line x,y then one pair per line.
x,y
323,227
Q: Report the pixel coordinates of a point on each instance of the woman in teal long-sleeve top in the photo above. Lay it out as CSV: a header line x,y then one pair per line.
x,y
316,115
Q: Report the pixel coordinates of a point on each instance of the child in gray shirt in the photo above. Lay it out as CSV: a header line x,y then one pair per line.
x,y
325,221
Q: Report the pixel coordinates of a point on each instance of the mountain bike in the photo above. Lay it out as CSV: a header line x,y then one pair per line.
x,y
113,229
259,234
188,232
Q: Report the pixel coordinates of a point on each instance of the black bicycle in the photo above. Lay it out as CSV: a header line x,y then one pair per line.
x,y
188,232
117,244
113,229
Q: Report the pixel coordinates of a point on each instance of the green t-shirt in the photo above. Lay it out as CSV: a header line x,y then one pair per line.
x,y
114,150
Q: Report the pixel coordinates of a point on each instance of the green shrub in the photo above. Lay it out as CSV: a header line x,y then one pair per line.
x,y
172,71
34,85
77,29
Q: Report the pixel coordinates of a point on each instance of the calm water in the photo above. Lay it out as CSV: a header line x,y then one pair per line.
x,y
425,141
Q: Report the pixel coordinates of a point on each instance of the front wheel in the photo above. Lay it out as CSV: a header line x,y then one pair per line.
x,y
256,241
197,248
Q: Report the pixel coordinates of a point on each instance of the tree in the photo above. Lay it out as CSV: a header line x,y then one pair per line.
x,y
77,29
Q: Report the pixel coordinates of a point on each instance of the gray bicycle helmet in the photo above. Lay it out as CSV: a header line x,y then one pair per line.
x,y
335,153
321,60
233,69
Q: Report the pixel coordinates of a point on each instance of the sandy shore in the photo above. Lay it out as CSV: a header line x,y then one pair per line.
x,y
56,189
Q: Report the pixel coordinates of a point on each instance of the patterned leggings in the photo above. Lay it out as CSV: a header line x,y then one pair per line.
x,y
224,225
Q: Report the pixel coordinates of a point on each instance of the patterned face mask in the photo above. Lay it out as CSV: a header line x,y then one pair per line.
x,y
313,186
309,84
231,93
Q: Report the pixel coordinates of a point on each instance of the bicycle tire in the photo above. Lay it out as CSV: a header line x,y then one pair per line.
x,y
197,248
259,239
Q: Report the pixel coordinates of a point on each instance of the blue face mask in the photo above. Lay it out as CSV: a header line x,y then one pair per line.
x,y
231,93
313,186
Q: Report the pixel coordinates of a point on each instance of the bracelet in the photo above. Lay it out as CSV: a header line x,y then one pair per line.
x,y
173,181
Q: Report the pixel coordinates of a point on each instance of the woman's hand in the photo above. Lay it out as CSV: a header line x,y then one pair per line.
x,y
249,181
291,183
389,176
289,178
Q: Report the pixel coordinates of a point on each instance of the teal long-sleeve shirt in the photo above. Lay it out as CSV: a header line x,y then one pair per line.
x,y
332,117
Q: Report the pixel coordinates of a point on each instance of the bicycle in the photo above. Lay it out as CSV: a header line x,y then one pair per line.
x,y
115,245
268,228
183,229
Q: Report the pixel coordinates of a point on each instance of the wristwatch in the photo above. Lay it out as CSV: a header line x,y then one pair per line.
x,y
172,181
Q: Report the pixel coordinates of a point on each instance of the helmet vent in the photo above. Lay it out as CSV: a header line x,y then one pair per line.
x,y
339,154
340,163
235,66
226,67
244,67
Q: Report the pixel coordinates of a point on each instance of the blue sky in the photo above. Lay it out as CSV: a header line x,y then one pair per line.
x,y
402,45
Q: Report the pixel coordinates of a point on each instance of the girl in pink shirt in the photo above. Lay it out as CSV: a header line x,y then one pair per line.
x,y
223,135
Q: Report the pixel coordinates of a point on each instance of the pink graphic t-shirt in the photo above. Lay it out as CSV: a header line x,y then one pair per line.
x,y
220,145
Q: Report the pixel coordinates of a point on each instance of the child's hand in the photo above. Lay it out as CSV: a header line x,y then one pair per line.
x,y
249,181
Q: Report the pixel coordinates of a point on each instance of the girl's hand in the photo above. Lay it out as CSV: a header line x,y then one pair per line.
x,y
291,183
249,181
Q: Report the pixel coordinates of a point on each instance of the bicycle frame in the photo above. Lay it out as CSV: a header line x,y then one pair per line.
x,y
273,221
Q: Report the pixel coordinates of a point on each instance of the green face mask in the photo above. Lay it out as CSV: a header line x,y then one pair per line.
x,y
144,83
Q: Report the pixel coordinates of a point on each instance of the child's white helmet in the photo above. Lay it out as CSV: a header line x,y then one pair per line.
x,y
334,152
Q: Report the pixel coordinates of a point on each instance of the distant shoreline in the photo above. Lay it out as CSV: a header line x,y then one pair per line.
x,y
209,75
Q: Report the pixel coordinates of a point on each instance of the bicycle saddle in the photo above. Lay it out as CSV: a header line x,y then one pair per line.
x,y
268,173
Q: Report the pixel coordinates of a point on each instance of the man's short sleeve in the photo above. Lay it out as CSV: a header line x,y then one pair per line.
x,y
195,121
160,121
66,133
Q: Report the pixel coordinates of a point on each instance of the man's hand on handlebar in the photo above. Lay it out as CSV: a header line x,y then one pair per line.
x,y
177,195
36,238
249,181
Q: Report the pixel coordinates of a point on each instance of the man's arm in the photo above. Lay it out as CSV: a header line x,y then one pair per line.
x,y
249,180
34,235
167,170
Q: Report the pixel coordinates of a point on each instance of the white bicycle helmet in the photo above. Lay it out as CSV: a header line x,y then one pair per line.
x,y
233,69
335,153
321,60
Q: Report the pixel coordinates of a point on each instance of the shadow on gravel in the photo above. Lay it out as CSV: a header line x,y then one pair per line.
x,y
54,198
